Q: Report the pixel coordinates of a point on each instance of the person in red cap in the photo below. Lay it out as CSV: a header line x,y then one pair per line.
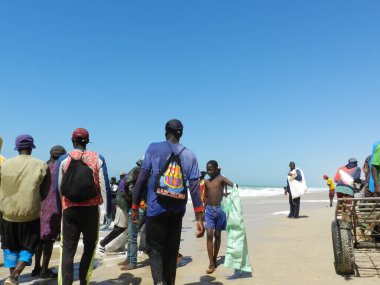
x,y
80,214
25,182
331,186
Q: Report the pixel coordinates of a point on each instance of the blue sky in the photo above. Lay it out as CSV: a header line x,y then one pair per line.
x,y
256,83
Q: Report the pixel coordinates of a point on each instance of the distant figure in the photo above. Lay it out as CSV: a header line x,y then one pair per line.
x,y
345,178
122,176
331,186
113,184
50,221
202,186
215,218
367,174
80,208
108,220
2,158
166,208
294,202
24,183
114,187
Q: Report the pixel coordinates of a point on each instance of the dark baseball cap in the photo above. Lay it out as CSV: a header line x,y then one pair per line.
x,y
24,141
81,135
57,150
174,125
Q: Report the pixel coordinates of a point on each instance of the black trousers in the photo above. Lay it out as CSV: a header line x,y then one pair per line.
x,y
112,235
294,206
76,221
163,235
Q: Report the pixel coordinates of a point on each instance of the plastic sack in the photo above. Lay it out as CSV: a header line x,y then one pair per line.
x,y
237,248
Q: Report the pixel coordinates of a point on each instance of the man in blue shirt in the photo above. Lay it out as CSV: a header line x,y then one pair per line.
x,y
164,219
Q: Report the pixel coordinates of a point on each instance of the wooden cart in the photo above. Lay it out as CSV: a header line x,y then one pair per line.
x,y
356,226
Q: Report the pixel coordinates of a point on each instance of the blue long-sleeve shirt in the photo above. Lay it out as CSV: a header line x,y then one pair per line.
x,y
154,160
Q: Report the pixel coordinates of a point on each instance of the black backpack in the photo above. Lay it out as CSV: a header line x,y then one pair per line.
x,y
170,183
78,183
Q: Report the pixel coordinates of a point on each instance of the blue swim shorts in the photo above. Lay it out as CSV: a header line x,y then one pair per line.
x,y
215,218
11,258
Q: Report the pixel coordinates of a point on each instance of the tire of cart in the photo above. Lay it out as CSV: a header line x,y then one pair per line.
x,y
343,247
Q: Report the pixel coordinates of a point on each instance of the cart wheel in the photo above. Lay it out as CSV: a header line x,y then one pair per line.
x,y
343,247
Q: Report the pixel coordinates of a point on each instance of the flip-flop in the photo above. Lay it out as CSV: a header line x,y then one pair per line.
x,y
210,270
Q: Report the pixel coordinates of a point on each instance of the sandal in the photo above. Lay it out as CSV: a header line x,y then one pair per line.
x,y
10,281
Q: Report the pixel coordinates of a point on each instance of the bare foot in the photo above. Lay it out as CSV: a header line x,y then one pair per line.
x,y
210,269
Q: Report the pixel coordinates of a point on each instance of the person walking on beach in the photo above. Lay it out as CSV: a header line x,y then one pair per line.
x,y
294,202
114,187
331,186
165,208
108,220
215,218
24,183
83,186
50,221
345,178
202,186
133,228
2,158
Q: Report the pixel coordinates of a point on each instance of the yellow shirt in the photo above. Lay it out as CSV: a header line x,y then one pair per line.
x,y
331,184
2,159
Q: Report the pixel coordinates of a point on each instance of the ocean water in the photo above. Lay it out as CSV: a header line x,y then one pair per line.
x,y
257,191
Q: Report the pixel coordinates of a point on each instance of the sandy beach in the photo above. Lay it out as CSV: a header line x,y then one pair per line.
x,y
282,251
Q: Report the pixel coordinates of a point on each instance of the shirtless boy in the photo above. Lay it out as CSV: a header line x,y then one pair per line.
x,y
215,218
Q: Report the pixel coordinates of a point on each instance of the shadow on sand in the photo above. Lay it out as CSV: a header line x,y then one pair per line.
x,y
205,280
124,278
185,260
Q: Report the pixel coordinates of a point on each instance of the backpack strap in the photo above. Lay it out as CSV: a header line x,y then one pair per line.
x,y
173,151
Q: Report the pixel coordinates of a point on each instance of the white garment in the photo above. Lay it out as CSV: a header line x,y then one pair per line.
x,y
297,188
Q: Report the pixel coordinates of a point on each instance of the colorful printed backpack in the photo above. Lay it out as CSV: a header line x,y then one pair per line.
x,y
170,184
